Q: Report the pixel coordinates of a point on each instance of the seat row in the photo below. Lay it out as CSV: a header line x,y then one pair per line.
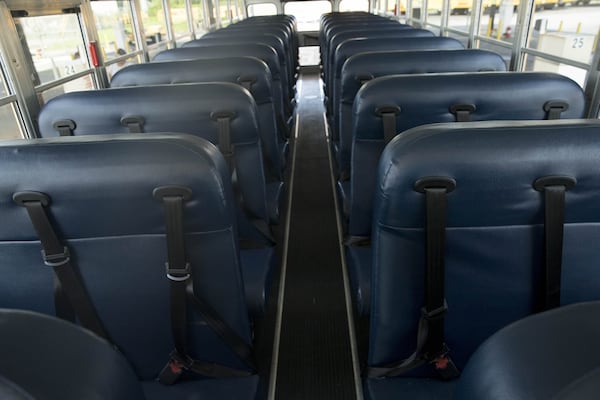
x,y
381,90
136,228
158,232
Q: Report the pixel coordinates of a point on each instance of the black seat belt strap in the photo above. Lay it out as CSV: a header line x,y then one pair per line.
x,y
554,108
388,117
134,123
223,119
181,290
463,111
554,188
57,256
430,347
64,127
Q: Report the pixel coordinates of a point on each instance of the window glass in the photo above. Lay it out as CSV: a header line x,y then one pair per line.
x,y
417,5
224,13
354,5
55,44
567,29
153,17
83,83
262,9
541,64
115,28
498,19
9,127
233,10
179,18
434,8
4,91
307,13
200,26
460,15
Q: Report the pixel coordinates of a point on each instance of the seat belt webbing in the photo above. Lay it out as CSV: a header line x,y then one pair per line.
x,y
430,347
223,119
554,188
181,290
388,118
57,256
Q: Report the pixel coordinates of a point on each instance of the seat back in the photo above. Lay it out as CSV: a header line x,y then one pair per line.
x,y
494,235
493,95
185,108
102,205
249,72
252,38
356,46
260,51
361,68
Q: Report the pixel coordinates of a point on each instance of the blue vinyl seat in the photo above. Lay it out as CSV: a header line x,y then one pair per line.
x,y
466,240
396,103
44,357
361,68
356,46
385,40
551,355
249,72
223,113
253,38
148,223
260,51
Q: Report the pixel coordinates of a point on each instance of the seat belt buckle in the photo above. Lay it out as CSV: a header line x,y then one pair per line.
x,y
444,365
58,259
175,367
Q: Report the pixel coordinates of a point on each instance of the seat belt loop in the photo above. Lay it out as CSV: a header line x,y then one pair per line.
x,y
554,108
463,112
134,123
554,188
388,116
64,127
223,119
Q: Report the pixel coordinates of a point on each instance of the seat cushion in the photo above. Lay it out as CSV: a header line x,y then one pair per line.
x,y
204,389
358,260
274,197
257,267
408,388
550,354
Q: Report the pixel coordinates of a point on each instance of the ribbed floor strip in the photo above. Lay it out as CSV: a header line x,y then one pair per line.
x,y
314,359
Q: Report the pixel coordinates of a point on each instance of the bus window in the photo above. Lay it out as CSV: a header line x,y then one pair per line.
x,y
181,28
56,46
354,5
9,127
307,13
115,28
56,52
155,26
498,19
568,33
262,9
460,15
200,22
